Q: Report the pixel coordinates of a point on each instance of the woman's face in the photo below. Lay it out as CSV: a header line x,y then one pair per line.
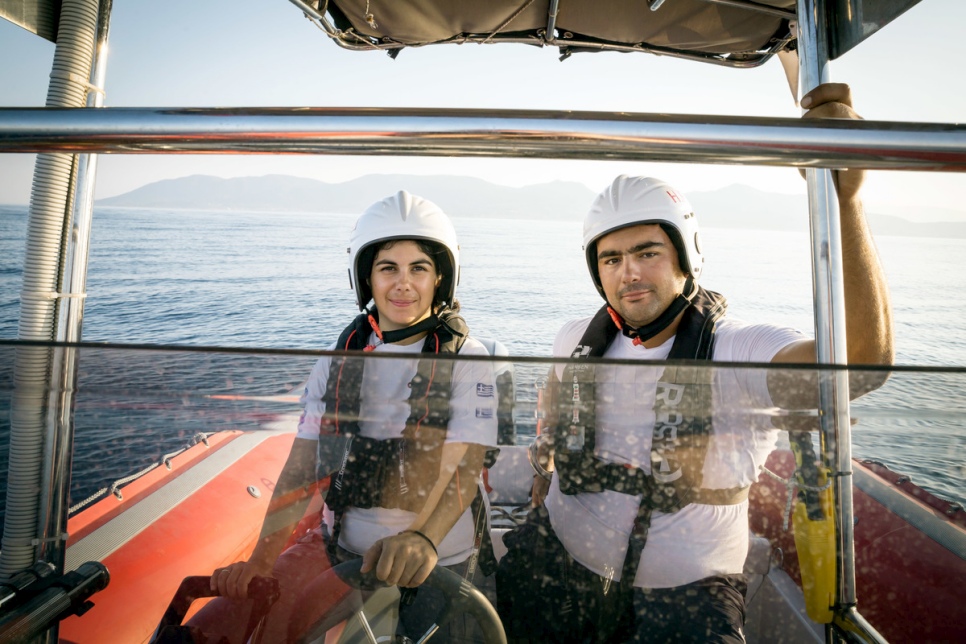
x,y
403,282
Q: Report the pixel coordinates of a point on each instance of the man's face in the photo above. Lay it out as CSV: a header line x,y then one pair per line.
x,y
639,272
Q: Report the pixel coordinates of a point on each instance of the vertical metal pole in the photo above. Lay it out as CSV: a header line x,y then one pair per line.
x,y
829,299
59,432
551,20
58,449
71,313
53,188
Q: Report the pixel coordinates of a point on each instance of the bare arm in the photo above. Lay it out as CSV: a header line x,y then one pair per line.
x,y
406,559
868,312
546,408
289,500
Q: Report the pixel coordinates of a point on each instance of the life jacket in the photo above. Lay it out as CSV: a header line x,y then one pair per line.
x,y
682,425
370,466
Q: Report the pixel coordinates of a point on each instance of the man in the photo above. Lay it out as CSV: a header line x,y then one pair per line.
x,y
644,530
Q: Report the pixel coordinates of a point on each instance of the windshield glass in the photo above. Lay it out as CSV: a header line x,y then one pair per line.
x,y
177,456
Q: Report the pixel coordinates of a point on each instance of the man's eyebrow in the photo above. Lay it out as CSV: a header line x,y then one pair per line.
x,y
645,246
635,249
608,253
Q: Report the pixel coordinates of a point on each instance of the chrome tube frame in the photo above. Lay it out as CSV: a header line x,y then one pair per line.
x,y
313,14
490,133
74,280
58,448
36,475
830,324
552,12
850,622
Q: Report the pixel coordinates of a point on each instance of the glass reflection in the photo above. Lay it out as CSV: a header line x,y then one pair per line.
x,y
156,503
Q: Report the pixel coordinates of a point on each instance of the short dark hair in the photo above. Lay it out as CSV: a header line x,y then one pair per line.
x,y
430,248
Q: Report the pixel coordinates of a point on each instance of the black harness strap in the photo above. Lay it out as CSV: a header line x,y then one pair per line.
x,y
682,402
681,431
368,465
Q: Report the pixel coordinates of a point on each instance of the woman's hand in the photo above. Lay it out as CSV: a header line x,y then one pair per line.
x,y
232,580
405,559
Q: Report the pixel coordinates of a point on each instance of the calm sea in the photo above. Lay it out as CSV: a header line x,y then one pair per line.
x,y
280,281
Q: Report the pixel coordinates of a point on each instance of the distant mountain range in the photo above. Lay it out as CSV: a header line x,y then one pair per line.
x,y
457,195
737,206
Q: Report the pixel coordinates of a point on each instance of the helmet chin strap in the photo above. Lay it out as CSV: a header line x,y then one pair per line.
x,y
398,335
643,334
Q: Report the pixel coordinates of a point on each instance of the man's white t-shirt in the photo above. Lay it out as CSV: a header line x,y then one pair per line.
x,y
700,540
384,409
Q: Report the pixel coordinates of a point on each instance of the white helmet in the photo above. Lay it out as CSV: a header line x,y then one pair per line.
x,y
403,216
630,201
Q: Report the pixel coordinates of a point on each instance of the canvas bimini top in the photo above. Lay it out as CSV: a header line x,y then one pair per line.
x,y
741,34
737,33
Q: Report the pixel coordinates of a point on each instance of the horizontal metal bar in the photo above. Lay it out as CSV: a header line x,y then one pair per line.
x,y
489,133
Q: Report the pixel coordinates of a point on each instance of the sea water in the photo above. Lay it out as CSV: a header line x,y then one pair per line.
x,y
280,280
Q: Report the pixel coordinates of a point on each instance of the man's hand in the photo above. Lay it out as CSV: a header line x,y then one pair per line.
x,y
834,101
232,581
868,314
538,493
405,559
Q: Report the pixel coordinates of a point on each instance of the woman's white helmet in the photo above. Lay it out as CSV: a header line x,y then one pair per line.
x,y
402,216
630,201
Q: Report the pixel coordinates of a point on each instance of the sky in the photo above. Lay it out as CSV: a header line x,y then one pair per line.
x,y
203,53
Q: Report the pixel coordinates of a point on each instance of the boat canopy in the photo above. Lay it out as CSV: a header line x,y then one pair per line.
x,y
693,27
738,33
36,16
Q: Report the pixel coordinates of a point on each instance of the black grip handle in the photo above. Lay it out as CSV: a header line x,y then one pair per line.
x,y
263,591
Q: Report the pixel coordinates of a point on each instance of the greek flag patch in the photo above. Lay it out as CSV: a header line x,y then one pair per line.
x,y
484,412
484,390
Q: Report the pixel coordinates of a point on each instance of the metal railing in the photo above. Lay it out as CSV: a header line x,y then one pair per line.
x,y
489,133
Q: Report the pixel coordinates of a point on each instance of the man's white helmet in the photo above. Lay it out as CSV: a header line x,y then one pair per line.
x,y
403,216
630,201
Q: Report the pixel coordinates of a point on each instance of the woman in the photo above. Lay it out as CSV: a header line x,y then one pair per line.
x,y
411,433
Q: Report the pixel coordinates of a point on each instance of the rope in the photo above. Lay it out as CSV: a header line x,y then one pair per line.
x,y
508,21
114,488
371,19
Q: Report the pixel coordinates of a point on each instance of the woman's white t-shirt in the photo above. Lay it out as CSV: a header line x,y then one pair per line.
x,y
383,412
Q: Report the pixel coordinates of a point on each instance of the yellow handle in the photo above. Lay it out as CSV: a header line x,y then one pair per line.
x,y
815,542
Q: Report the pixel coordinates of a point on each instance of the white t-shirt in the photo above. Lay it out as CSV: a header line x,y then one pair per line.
x,y
700,540
383,412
